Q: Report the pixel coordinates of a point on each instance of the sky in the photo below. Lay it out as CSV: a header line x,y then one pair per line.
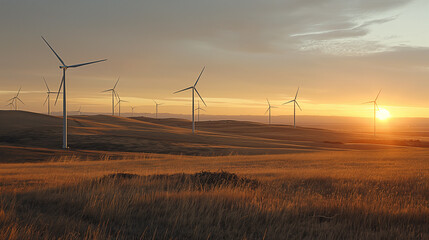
x,y
340,53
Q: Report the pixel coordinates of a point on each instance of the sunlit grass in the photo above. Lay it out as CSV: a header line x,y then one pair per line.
x,y
331,195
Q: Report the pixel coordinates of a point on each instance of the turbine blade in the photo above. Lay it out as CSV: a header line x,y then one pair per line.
x,y
83,64
267,111
199,76
298,105
45,100
108,90
377,107
116,83
18,92
268,102
20,100
296,95
46,84
200,96
183,90
59,90
377,95
288,102
53,51
368,102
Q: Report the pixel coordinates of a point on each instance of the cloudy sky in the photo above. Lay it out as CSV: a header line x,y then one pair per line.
x,y
339,52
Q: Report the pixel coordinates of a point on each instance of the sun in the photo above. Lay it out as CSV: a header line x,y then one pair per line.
x,y
383,114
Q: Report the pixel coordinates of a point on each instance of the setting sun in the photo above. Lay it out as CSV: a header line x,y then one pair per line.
x,y
383,114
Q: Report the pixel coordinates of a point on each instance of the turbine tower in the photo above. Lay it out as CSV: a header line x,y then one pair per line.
x,y
119,104
64,67
194,90
198,109
113,96
375,110
48,98
156,108
14,101
295,103
269,111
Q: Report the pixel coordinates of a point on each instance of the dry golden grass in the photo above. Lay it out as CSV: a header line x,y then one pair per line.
x,y
326,195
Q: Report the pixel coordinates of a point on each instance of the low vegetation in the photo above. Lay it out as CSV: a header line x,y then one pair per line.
x,y
220,205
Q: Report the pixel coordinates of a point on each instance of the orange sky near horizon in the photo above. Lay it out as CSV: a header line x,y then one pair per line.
x,y
340,54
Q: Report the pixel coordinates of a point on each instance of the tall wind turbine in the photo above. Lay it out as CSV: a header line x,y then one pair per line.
x,y
14,101
194,90
156,108
269,111
119,103
48,99
295,103
198,109
64,67
113,96
375,110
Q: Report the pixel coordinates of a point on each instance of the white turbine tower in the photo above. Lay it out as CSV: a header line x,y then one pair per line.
x,y
156,108
64,67
269,111
48,98
375,110
198,109
295,103
194,90
14,101
119,104
113,96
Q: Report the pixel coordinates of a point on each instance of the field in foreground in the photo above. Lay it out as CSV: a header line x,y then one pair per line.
x,y
322,195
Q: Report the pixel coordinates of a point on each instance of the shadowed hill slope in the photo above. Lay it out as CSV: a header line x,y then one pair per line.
x,y
173,136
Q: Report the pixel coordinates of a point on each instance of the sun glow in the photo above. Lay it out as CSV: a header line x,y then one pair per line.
x,y
383,114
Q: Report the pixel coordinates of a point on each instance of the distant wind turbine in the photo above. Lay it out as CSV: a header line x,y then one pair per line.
x,y
48,100
64,67
194,89
80,108
295,103
14,101
375,110
269,111
198,109
119,104
11,105
113,96
156,108
132,111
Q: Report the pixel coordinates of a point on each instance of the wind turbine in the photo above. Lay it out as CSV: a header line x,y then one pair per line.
x,y
375,110
64,67
132,111
295,103
48,100
11,105
194,89
156,108
119,103
80,113
113,96
269,111
14,101
198,109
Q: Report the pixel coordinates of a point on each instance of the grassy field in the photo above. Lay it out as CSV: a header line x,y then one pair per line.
x,y
373,194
